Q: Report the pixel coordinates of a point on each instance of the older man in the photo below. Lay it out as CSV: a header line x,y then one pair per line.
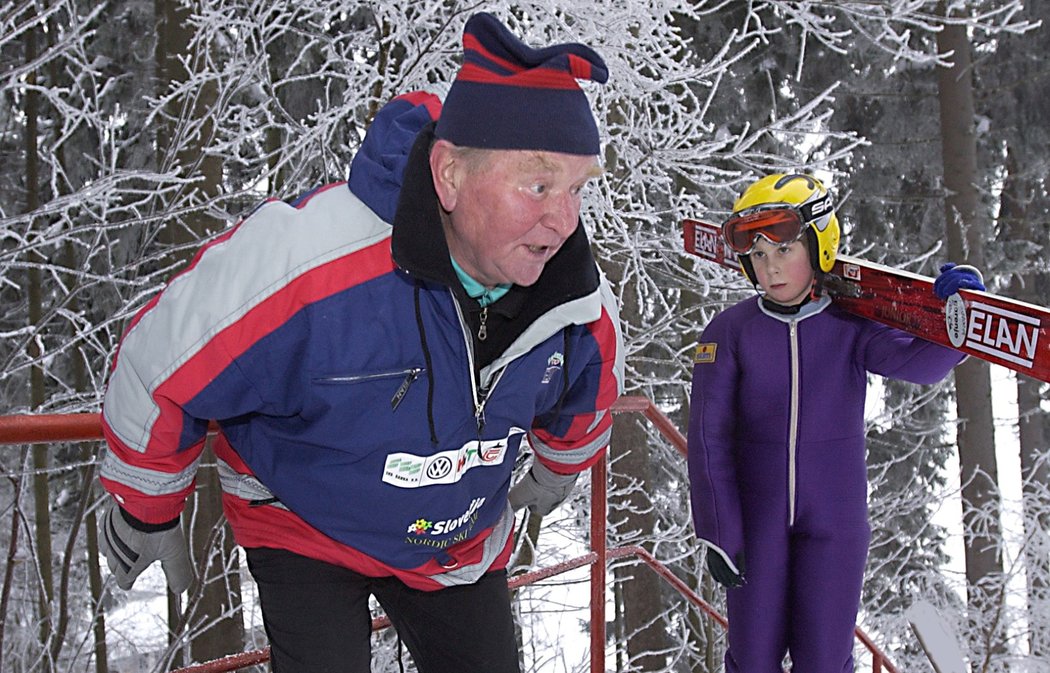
x,y
377,355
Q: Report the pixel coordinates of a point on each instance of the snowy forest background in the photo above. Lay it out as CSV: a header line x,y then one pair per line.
x,y
132,130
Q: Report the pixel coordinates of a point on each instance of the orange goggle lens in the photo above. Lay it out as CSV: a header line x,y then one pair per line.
x,y
776,225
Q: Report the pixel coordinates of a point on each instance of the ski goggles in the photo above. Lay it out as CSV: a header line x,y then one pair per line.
x,y
780,224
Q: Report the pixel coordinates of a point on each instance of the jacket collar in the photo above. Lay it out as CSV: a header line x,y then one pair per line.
x,y
805,310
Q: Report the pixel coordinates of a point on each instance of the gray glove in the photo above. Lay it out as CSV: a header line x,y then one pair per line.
x,y
131,546
541,490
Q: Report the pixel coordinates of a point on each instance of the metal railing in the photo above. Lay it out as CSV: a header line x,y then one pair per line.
x,y
47,428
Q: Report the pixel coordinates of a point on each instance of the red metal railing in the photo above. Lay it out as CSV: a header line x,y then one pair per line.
x,y
45,428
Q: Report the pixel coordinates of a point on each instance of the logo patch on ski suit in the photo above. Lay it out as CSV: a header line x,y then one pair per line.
x,y
705,354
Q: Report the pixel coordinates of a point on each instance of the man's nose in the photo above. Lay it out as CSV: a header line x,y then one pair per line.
x,y
563,213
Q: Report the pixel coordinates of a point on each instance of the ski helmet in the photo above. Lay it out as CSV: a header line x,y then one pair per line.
x,y
783,208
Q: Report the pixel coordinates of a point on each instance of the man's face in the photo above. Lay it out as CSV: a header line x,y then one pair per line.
x,y
509,211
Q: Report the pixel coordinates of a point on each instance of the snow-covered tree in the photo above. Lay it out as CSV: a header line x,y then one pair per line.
x,y
127,140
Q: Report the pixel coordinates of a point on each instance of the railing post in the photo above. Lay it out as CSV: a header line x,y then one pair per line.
x,y
599,503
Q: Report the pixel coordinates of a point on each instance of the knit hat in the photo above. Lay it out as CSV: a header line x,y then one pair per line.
x,y
510,96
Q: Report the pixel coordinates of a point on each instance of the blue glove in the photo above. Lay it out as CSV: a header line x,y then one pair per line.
x,y
957,277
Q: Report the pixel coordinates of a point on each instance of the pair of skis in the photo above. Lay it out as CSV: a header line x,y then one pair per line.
x,y
1002,331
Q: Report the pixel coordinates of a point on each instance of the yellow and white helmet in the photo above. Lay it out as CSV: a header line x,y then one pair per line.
x,y
782,208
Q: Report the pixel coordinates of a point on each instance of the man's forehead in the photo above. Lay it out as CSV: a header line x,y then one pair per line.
x,y
554,162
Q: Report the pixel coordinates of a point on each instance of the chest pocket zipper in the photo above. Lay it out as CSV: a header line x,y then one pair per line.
x,y
410,376
402,390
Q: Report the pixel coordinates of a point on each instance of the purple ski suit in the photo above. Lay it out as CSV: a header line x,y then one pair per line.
x,y
777,471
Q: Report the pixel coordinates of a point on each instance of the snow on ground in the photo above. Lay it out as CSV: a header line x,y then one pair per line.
x,y
137,628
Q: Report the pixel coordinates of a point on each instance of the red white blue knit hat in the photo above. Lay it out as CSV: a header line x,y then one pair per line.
x,y
510,96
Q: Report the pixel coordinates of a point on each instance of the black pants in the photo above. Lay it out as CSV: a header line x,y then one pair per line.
x,y
317,618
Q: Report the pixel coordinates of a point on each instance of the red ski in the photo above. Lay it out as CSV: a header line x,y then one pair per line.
x,y
1000,330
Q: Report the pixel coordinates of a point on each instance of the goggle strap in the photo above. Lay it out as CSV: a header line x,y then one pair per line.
x,y
815,209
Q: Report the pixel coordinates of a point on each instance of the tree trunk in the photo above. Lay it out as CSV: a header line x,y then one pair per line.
x,y
37,394
186,131
1035,475
965,236
95,585
641,626
182,141
632,521
1035,470
214,550
707,635
11,556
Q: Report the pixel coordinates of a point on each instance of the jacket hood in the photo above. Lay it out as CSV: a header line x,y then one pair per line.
x,y
377,170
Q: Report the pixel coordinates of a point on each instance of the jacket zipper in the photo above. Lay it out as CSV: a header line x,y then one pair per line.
x,y
478,395
410,377
483,328
793,430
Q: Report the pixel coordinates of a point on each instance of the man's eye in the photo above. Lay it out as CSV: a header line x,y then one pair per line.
x,y
538,189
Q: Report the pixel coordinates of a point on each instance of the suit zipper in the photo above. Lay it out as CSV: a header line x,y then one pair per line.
x,y
793,430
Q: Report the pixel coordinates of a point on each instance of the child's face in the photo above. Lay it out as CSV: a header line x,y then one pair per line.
x,y
783,271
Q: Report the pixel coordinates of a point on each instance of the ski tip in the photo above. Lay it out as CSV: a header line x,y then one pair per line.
x,y
936,636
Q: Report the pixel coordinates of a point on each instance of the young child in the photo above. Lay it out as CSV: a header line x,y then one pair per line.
x,y
776,433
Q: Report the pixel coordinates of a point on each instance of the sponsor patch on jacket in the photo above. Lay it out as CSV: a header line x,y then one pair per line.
x,y
554,365
422,531
407,470
705,353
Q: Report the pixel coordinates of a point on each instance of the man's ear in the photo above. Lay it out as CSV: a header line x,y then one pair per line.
x,y
446,168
